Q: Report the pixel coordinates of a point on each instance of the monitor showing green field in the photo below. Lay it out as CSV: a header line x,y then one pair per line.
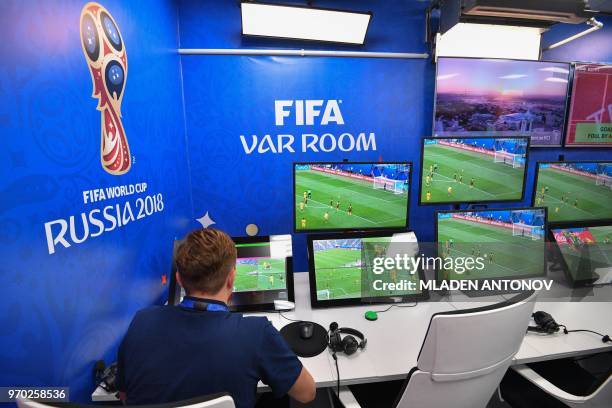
x,y
263,272
343,268
257,274
353,196
471,170
575,191
587,252
509,242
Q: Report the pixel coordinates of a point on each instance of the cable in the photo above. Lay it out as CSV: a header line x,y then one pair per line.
x,y
287,318
392,306
604,337
337,374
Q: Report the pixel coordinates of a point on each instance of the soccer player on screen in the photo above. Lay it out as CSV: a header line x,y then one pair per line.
x,y
301,206
303,223
576,203
350,209
427,181
309,193
455,177
326,217
428,195
337,205
449,190
461,178
331,203
305,195
472,182
271,281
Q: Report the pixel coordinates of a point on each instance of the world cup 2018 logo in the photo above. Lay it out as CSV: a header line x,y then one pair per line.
x,y
107,60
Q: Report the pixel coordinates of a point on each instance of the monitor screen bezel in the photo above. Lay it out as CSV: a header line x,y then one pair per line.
x,y
575,283
568,113
315,303
535,189
317,230
288,278
525,170
436,230
567,95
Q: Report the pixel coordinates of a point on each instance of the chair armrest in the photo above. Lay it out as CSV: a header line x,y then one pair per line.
x,y
346,397
546,386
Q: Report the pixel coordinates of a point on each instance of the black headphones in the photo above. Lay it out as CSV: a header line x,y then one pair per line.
x,y
544,323
347,345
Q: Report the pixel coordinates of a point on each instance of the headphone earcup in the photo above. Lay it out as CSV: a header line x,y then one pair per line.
x,y
349,345
335,341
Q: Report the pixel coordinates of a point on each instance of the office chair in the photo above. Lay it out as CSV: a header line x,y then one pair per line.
x,y
523,387
221,400
464,356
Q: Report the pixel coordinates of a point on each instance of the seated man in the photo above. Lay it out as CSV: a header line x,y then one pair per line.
x,y
172,353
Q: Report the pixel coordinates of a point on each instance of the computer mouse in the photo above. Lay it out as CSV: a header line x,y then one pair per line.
x,y
306,330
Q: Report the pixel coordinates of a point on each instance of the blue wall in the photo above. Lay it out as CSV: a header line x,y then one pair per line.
x,y
229,96
63,311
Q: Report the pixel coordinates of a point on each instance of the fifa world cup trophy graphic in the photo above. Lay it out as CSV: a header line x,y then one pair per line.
x,y
107,60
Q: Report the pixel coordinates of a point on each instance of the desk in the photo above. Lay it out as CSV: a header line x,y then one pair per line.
x,y
394,340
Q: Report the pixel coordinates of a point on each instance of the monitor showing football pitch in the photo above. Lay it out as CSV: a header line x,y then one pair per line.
x,y
501,97
586,253
574,191
509,242
341,269
473,170
351,196
263,272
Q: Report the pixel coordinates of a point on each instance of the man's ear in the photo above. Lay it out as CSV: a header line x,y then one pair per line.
x,y
230,279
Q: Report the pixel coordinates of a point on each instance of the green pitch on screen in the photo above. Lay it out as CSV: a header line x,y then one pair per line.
x,y
599,252
339,275
372,208
512,256
492,181
266,274
572,197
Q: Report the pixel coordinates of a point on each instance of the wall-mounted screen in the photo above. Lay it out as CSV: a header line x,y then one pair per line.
x,y
510,242
574,191
351,196
499,97
473,170
590,113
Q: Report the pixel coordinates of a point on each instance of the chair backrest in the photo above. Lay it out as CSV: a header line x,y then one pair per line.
x,y
209,401
600,398
466,353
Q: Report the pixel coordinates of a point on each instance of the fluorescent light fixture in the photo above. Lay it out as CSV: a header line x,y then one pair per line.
x,y
304,23
489,41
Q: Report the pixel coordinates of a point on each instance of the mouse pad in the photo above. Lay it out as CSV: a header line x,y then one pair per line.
x,y
305,348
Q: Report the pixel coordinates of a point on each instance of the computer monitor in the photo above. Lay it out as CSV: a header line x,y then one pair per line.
x,y
574,191
473,169
340,196
501,97
509,241
341,269
585,253
264,272
589,118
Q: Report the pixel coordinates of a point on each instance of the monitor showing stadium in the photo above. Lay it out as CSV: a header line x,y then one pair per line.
x,y
497,97
341,268
510,242
574,191
263,272
590,117
586,253
473,170
351,196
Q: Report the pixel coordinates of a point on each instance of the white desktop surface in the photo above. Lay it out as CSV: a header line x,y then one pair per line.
x,y
395,339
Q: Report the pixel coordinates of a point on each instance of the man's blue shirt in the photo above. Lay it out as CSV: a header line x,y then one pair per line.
x,y
171,353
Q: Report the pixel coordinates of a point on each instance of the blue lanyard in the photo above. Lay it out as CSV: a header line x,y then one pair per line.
x,y
203,305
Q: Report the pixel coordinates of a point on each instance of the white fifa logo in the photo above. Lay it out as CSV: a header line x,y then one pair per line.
x,y
306,111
